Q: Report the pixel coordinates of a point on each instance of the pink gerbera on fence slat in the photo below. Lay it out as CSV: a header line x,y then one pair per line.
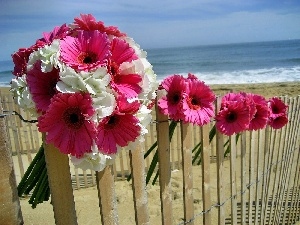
x,y
42,86
86,52
233,118
278,121
260,118
278,113
277,106
67,123
171,104
198,105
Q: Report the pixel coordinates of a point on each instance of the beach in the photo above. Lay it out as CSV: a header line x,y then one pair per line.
x,y
265,89
86,200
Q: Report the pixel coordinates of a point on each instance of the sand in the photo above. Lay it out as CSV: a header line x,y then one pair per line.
x,y
86,200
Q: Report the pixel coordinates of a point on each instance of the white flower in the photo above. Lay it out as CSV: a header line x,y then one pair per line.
x,y
93,82
104,104
144,116
93,161
70,81
97,81
48,55
140,53
21,93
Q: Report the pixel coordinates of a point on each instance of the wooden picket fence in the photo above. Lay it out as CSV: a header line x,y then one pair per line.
x,y
258,182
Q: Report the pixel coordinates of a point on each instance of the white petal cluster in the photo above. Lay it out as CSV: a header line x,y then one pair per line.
x,y
48,55
22,94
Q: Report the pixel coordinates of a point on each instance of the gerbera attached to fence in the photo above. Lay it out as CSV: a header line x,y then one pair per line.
x,y
89,85
246,111
187,99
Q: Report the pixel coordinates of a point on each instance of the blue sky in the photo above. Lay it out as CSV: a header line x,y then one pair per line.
x,y
155,23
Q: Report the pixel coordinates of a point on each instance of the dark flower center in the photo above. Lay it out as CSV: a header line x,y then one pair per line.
x,y
87,57
73,118
111,122
275,110
175,98
193,103
231,117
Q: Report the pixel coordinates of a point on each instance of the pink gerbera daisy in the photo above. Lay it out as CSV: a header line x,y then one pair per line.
x,y
198,105
171,104
277,106
67,125
20,59
42,85
248,99
122,82
278,121
233,118
260,118
125,107
261,114
85,52
59,32
117,129
88,22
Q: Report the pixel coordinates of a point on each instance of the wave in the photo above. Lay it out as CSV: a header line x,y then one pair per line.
x,y
291,60
266,75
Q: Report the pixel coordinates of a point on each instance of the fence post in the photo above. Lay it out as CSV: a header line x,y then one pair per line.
x,y
233,181
107,196
60,184
206,184
137,164
163,148
186,151
10,210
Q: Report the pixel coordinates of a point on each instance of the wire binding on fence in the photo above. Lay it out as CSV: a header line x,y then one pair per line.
x,y
8,113
241,192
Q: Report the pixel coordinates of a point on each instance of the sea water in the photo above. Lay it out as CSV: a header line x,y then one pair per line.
x,y
257,62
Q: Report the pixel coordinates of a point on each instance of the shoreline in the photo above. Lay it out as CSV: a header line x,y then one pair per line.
x,y
267,90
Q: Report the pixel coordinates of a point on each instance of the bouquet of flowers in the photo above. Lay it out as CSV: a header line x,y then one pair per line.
x,y
91,88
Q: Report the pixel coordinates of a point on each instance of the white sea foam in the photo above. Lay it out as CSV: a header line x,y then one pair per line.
x,y
271,75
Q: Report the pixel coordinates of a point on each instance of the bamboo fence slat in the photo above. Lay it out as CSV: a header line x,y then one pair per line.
x,y
292,155
253,141
220,181
163,148
278,215
293,211
139,187
205,156
243,176
60,186
264,178
107,196
186,151
10,210
17,140
233,188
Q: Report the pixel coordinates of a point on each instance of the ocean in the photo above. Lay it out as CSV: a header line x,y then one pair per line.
x,y
257,62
